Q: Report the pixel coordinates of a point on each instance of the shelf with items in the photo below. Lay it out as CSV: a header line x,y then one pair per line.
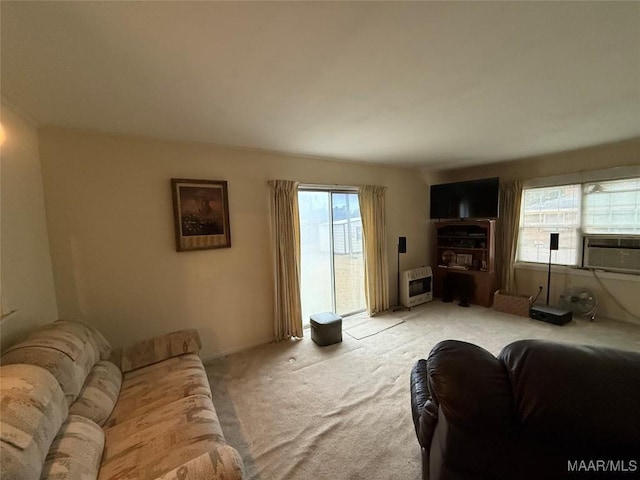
x,y
467,243
466,248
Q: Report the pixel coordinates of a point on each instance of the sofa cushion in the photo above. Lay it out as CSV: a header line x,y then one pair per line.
x,y
99,393
33,409
148,388
224,462
157,442
76,451
69,375
101,345
68,350
76,339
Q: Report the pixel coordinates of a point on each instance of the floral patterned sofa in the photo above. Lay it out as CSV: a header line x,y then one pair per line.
x,y
73,409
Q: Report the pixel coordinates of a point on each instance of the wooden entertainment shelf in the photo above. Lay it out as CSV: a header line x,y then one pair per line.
x,y
465,261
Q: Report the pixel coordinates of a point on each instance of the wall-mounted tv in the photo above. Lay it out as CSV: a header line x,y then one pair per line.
x,y
466,200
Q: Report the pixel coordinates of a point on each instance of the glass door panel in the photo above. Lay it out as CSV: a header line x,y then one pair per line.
x,y
316,282
347,254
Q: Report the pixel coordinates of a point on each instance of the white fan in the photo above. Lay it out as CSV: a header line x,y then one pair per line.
x,y
579,300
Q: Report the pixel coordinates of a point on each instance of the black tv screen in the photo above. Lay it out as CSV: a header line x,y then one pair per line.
x,y
462,200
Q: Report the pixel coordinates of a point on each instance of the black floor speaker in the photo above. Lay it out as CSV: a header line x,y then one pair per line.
x,y
544,313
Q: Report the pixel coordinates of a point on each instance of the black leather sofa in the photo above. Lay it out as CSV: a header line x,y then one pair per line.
x,y
541,410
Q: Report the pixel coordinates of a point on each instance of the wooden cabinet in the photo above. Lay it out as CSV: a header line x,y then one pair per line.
x,y
465,261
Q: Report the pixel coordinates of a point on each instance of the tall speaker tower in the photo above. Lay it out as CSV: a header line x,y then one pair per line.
x,y
402,248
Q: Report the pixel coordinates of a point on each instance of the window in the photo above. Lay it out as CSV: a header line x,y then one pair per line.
x,y
605,207
546,210
612,207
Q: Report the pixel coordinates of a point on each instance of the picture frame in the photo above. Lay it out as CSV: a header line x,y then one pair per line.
x,y
464,259
201,214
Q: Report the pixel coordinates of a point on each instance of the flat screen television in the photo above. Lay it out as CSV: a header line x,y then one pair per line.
x,y
466,200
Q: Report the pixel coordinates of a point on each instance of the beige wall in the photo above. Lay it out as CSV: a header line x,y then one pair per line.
x,y
27,279
112,237
617,293
624,153
623,288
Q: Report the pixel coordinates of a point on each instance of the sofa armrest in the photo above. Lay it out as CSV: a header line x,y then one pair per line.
x,y
423,408
223,463
156,349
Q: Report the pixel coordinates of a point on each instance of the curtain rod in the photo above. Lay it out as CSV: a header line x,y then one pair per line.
x,y
614,173
315,186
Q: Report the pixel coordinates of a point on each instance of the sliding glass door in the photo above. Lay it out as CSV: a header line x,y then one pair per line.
x,y
332,265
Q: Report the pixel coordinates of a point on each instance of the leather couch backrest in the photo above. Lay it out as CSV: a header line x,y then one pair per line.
x,y
575,396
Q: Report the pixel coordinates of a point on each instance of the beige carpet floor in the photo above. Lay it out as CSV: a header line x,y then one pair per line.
x,y
362,325
297,411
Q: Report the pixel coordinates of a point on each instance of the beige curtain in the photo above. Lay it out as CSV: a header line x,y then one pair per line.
x,y
510,199
374,233
286,241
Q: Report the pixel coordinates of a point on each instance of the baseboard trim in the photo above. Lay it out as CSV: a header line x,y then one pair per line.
x,y
241,348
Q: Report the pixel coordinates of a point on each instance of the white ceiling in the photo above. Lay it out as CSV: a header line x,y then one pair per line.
x,y
438,84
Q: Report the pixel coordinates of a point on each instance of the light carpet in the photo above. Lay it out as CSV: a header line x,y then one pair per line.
x,y
298,411
362,325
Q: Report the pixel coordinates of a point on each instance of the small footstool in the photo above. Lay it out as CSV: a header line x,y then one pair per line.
x,y
326,328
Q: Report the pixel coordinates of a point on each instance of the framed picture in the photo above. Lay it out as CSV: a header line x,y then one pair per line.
x,y
464,259
201,214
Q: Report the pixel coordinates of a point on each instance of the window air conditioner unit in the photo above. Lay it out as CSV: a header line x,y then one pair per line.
x,y
614,253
